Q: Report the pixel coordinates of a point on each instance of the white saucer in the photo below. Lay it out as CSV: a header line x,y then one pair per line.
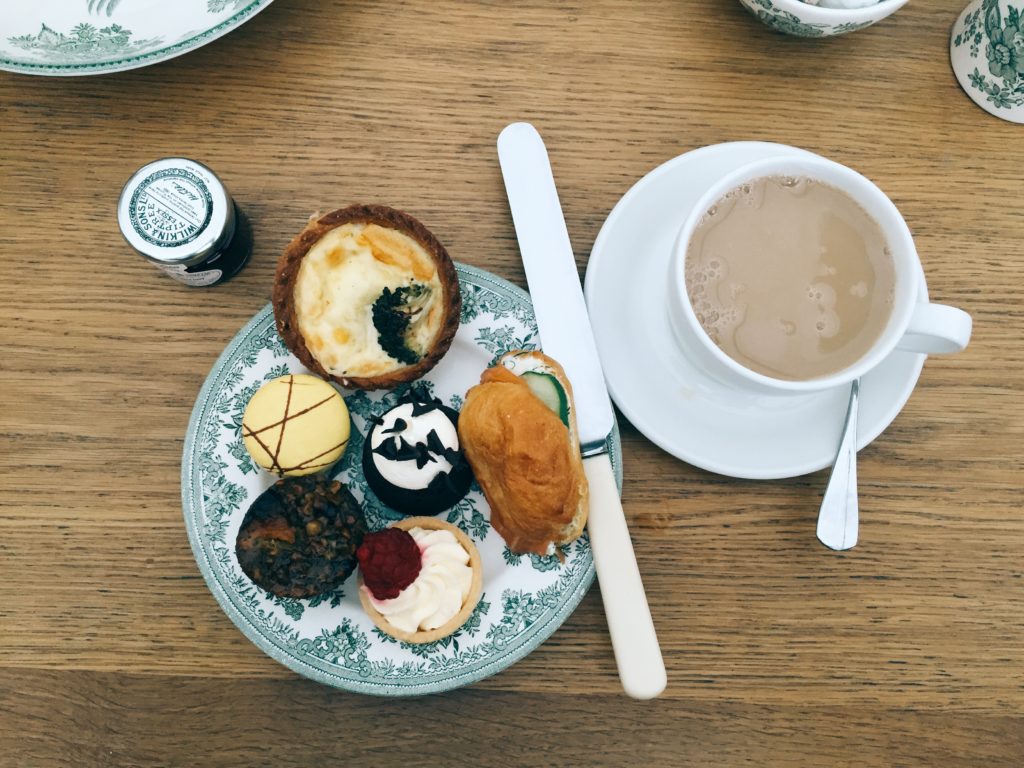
x,y
677,406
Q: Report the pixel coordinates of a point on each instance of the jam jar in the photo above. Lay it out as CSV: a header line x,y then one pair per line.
x,y
176,213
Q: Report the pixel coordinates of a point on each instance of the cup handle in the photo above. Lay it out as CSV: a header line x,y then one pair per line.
x,y
937,329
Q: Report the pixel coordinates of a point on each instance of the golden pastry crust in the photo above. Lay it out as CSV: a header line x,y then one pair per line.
x,y
526,461
475,590
287,274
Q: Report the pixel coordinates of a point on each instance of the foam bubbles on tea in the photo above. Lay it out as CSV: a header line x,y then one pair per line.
x,y
790,277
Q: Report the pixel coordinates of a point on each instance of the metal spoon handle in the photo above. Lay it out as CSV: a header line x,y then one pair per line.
x,y
838,518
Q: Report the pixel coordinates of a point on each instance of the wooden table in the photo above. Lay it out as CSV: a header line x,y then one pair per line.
x,y
907,650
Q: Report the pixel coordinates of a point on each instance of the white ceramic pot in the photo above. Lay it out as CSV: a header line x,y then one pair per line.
x,y
986,48
795,17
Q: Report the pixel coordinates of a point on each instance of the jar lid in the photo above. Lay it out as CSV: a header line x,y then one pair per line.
x,y
175,211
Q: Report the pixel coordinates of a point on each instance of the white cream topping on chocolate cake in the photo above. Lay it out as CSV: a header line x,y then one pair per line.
x,y
405,433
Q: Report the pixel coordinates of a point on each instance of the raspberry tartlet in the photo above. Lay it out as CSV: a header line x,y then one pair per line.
x,y
420,579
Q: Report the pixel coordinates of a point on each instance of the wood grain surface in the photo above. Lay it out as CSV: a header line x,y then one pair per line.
x,y
905,651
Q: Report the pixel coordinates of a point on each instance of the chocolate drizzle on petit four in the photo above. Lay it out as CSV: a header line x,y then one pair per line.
x,y
275,452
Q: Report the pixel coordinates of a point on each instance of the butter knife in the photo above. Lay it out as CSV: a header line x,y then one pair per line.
x,y
566,336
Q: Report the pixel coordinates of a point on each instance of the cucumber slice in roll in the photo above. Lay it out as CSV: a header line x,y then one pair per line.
x,y
550,391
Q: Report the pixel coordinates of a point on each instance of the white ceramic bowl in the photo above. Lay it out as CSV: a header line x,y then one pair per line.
x,y
794,17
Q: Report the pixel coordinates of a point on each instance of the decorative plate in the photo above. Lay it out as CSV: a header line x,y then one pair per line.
x,y
328,637
91,37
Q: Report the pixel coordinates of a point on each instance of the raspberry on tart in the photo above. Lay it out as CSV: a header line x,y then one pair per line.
x,y
390,561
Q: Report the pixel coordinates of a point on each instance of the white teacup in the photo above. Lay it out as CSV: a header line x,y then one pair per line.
x,y
914,324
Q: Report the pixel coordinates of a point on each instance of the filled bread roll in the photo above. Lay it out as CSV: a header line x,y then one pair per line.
x,y
518,430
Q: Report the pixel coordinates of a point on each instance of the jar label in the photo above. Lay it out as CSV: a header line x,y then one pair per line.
x,y
196,279
171,207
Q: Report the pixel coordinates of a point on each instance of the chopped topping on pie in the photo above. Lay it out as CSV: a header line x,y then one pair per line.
x,y
395,316
367,300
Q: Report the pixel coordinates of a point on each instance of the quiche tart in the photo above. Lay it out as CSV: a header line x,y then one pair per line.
x,y
366,296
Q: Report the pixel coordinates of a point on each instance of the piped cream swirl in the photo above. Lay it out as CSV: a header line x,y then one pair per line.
x,y
440,589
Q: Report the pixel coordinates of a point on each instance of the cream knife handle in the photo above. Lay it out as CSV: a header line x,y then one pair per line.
x,y
634,640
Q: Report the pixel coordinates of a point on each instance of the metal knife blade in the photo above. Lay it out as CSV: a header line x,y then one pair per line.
x,y
555,286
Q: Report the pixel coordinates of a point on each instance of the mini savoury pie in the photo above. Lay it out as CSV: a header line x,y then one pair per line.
x,y
367,296
299,537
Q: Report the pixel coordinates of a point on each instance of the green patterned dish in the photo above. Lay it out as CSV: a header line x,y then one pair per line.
x,y
92,37
329,638
795,17
987,52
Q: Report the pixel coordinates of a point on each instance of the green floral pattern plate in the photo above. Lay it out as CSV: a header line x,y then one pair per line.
x,y
91,37
328,637
987,51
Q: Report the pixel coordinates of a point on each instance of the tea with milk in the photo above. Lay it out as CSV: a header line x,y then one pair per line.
x,y
790,277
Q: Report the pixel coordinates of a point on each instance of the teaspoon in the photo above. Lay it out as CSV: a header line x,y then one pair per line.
x,y
838,517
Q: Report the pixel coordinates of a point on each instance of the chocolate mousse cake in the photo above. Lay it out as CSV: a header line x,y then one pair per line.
x,y
412,459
